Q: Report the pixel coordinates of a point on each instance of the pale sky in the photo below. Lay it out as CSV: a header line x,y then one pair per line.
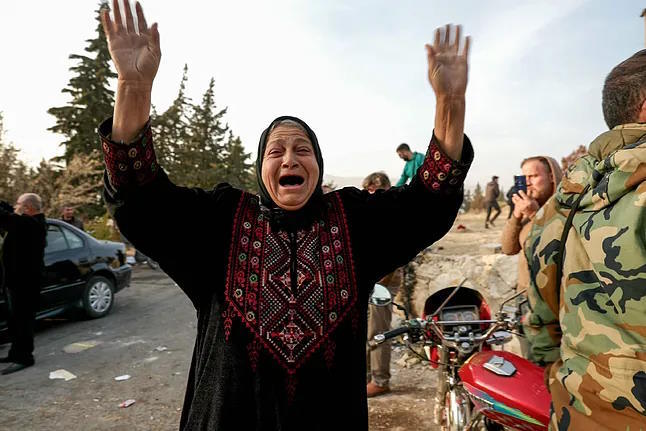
x,y
355,71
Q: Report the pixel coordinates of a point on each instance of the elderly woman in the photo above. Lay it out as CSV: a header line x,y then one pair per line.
x,y
280,281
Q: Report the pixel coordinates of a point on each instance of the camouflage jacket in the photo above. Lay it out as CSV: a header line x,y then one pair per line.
x,y
592,322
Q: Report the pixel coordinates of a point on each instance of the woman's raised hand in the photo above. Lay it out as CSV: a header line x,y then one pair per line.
x,y
447,63
135,52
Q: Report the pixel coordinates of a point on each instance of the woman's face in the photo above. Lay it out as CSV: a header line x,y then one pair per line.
x,y
290,171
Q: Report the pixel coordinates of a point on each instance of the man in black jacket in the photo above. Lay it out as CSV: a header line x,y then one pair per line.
x,y
22,258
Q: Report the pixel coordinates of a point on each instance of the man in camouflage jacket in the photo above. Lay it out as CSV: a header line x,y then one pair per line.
x,y
589,327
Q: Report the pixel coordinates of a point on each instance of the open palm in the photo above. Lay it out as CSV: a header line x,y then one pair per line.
x,y
447,66
135,54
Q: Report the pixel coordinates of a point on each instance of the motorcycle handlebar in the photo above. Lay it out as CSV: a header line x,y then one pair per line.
x,y
380,338
419,324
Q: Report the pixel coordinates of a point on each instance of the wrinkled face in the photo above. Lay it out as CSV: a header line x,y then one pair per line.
x,y
68,212
405,155
539,181
22,207
290,171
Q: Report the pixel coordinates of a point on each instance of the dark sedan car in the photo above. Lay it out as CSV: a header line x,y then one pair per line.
x,y
79,271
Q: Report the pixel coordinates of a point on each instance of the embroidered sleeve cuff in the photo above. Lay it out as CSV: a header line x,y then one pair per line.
x,y
439,173
132,164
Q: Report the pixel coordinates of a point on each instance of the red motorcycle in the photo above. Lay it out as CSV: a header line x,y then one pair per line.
x,y
478,386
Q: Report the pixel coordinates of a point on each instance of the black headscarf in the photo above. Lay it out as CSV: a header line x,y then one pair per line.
x,y
312,208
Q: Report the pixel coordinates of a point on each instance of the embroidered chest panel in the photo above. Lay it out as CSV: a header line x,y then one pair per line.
x,y
291,290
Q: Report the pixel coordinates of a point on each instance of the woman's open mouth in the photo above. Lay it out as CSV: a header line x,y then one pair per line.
x,y
291,181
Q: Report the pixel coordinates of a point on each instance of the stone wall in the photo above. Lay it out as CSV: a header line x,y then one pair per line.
x,y
493,275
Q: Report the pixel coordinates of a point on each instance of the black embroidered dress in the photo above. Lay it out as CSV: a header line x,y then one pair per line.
x,y
281,310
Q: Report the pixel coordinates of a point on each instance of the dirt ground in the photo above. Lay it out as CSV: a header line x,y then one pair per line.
x,y
149,335
409,405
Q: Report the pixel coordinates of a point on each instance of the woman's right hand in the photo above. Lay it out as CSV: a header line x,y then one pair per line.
x,y
136,55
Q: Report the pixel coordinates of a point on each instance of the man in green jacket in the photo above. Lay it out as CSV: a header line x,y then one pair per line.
x,y
413,161
587,322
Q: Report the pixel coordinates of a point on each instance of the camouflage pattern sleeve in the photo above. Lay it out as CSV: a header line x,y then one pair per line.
x,y
541,323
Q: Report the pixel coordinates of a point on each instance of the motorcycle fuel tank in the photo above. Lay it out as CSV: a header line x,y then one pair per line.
x,y
508,389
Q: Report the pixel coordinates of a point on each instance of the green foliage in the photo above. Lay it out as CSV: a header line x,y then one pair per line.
x,y
192,141
502,196
236,167
477,203
91,101
466,201
194,145
171,131
15,176
201,156
102,227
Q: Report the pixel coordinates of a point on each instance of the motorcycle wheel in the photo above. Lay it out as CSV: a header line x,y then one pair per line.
x,y
455,416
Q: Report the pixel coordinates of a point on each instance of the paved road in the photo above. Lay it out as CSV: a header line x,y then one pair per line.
x,y
149,335
152,313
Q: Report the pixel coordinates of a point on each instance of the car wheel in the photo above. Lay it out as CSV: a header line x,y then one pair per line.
x,y
98,297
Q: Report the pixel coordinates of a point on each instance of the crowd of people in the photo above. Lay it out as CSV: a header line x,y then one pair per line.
x,y
282,299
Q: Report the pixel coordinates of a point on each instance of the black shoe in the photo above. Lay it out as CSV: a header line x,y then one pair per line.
x,y
486,225
16,366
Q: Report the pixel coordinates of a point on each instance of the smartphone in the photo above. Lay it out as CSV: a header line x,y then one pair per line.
x,y
520,182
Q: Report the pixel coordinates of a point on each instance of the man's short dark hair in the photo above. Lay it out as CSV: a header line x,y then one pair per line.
x,y
624,91
403,147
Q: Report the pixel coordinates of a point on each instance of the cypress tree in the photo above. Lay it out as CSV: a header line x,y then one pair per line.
x,y
236,167
201,156
91,101
171,132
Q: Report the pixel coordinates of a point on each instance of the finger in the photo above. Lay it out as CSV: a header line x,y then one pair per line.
x,y
438,37
118,24
130,22
141,20
456,41
430,53
106,23
447,36
155,34
467,44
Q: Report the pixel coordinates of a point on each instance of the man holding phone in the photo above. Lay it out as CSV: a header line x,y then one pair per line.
x,y
542,175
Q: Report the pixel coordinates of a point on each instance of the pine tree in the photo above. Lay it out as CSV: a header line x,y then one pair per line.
x,y
79,184
502,195
466,201
91,99
236,166
171,131
44,184
477,203
15,176
201,156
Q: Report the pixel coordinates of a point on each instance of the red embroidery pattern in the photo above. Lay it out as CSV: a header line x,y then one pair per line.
x,y
134,164
291,322
439,172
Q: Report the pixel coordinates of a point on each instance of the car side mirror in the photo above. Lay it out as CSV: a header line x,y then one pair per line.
x,y
380,296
